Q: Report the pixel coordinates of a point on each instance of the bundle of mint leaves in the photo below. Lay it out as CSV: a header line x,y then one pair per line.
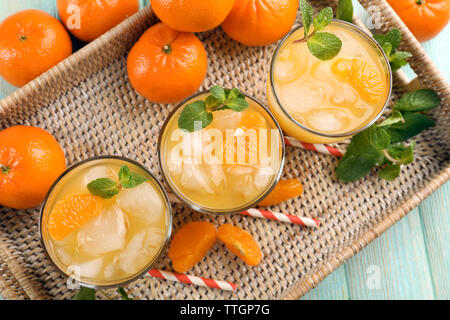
x,y
383,145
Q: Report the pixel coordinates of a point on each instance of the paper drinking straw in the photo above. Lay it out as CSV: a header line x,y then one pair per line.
x,y
303,221
322,148
198,281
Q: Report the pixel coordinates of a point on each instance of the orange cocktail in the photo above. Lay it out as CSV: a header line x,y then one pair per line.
x,y
319,101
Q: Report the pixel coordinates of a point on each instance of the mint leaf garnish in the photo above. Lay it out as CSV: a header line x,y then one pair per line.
x,y
390,42
130,179
413,124
400,153
103,187
345,10
107,188
307,15
382,145
396,116
390,172
201,112
323,19
84,294
418,100
218,92
324,45
193,113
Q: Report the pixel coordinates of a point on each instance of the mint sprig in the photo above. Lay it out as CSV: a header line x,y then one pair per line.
x,y
383,144
322,45
390,42
107,188
199,114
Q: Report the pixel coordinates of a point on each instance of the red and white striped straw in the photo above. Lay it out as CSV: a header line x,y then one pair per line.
x,y
258,213
288,218
184,278
322,148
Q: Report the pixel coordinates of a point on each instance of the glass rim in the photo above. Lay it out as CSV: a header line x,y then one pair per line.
x,y
162,248
332,135
197,207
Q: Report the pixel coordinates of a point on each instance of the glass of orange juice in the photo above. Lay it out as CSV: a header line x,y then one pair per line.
x,y
226,167
319,101
105,242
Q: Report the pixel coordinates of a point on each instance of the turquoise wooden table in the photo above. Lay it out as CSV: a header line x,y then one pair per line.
x,y
409,261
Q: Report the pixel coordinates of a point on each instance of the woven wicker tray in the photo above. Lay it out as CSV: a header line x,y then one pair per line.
x,y
88,103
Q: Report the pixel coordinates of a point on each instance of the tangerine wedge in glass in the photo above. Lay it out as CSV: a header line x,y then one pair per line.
x,y
229,165
111,239
319,101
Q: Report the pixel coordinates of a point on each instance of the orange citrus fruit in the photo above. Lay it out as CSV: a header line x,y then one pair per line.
x,y
190,244
362,76
30,161
31,42
260,22
71,212
166,65
241,243
284,190
192,15
89,19
425,18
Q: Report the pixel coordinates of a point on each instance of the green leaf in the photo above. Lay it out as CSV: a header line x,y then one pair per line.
x,y
130,179
380,38
237,104
233,93
123,294
418,100
387,48
402,154
345,10
323,19
307,15
377,137
394,37
413,125
363,153
390,172
396,116
84,294
218,93
324,45
212,102
398,64
103,187
193,114
399,56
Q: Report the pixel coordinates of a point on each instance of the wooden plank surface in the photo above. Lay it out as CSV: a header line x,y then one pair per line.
x,y
409,261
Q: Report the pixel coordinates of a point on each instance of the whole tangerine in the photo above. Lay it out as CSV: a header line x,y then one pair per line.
x,y
89,19
30,161
166,65
425,18
192,15
31,42
260,22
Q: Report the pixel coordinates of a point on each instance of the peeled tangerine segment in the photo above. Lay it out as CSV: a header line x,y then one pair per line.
x,y
142,201
71,212
104,233
139,251
88,269
364,77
